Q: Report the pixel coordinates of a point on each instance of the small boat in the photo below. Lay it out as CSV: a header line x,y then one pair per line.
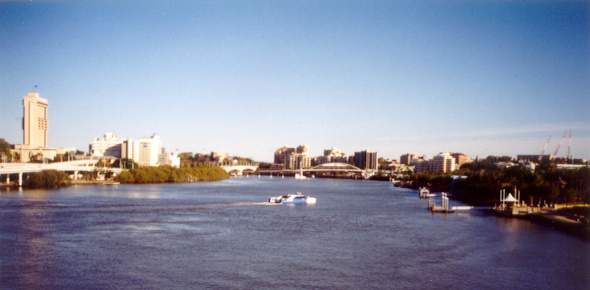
x,y
297,198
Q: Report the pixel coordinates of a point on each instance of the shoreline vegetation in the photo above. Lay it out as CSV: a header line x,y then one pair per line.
x,y
479,183
168,174
47,179
562,195
52,179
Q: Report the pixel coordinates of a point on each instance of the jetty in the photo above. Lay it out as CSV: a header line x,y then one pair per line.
x,y
511,205
445,207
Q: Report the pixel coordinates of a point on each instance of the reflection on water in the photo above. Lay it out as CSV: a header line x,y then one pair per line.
x,y
37,244
223,235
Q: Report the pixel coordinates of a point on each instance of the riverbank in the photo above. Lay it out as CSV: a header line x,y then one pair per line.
x,y
557,220
52,179
573,219
94,182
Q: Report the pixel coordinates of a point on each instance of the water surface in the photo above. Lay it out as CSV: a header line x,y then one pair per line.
x,y
361,234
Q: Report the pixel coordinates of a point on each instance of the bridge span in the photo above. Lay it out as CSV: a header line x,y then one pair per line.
x,y
326,169
239,169
75,167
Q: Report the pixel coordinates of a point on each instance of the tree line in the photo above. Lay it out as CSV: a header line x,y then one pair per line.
x,y
168,174
484,180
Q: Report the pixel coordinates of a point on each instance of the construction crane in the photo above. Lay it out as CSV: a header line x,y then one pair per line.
x,y
569,145
544,148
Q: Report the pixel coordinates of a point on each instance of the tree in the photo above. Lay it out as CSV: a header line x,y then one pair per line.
x,y
5,150
46,179
126,177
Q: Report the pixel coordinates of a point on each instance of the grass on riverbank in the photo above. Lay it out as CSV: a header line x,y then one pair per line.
x,y
167,174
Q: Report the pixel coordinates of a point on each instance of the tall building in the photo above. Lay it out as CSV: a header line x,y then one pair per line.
x,y
293,158
365,160
443,162
297,161
108,144
129,149
35,124
282,153
143,151
35,121
333,155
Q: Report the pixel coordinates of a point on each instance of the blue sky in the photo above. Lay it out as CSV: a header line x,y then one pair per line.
x,y
245,77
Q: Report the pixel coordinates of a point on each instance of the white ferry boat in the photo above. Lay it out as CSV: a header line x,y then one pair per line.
x,y
297,198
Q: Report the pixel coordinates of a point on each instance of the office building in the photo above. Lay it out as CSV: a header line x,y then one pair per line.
x,y
297,161
108,145
35,121
281,154
365,160
143,151
293,158
35,125
443,163
422,166
333,155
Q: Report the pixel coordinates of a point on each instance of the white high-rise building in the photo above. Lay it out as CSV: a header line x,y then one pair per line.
x,y
35,124
108,144
143,151
35,121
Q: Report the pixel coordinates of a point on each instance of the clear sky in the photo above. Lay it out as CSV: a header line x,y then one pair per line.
x,y
245,77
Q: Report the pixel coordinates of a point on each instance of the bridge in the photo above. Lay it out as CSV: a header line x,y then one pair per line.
x,y
326,169
69,166
239,169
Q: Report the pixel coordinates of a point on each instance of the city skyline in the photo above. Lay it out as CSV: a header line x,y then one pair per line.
x,y
390,77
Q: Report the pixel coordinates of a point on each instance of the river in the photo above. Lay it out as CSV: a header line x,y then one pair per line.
x,y
360,235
